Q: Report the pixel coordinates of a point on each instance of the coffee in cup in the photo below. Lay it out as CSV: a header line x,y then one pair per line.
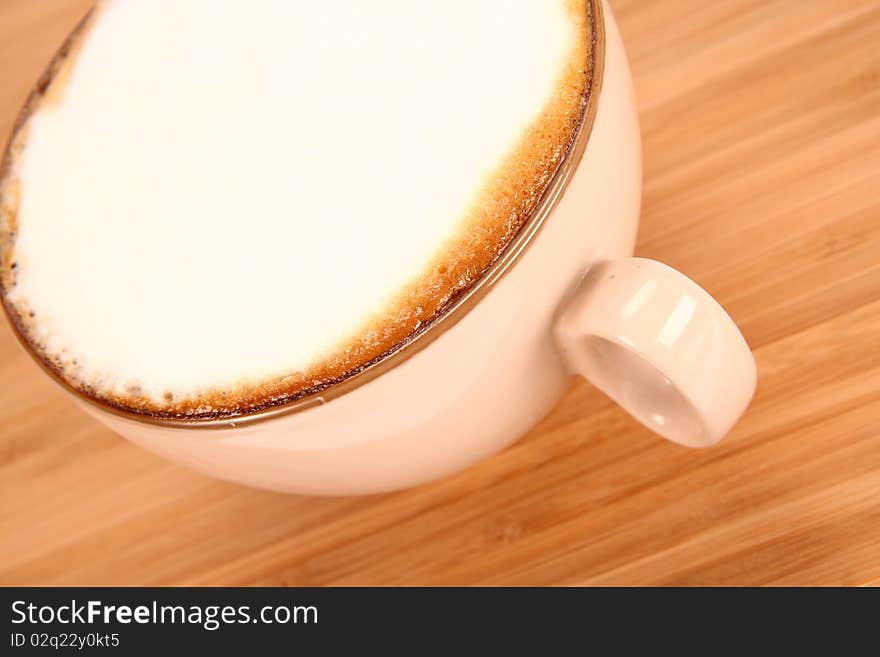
x,y
207,211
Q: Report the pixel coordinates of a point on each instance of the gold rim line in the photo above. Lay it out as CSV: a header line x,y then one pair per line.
x,y
407,348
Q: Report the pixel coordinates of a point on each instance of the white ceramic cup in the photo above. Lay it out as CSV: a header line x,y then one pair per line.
x,y
566,298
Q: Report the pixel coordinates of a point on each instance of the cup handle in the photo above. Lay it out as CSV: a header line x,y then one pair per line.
x,y
661,347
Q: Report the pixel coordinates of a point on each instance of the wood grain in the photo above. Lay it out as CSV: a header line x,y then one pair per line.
x,y
761,125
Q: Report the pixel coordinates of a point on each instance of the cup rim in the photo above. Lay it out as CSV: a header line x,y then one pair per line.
x,y
401,352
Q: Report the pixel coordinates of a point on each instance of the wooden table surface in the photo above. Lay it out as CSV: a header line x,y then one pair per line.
x,y
761,128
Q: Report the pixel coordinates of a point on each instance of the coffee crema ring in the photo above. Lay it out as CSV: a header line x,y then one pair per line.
x,y
491,233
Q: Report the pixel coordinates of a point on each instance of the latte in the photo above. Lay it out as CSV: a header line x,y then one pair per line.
x,y
211,209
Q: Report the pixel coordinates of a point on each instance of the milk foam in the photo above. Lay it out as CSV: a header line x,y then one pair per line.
x,y
225,195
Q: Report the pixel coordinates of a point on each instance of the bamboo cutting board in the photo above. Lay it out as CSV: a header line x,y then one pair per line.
x,y
761,129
